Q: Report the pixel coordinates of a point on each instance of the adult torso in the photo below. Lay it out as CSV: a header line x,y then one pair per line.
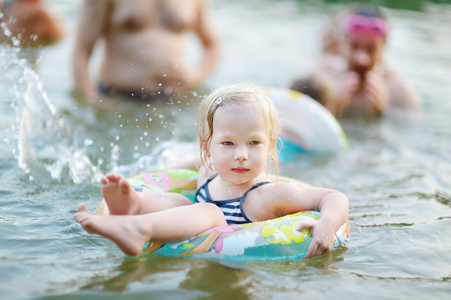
x,y
144,39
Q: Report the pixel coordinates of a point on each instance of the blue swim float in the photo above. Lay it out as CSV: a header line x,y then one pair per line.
x,y
271,240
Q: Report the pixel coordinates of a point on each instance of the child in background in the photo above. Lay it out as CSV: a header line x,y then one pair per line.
x,y
238,127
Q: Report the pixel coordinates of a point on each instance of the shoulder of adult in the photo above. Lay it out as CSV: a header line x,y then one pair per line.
x,y
402,93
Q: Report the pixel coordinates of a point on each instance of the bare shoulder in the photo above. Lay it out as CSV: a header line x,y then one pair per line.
x,y
284,186
402,94
281,191
204,174
276,199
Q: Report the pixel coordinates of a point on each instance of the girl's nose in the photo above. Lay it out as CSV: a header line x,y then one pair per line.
x,y
241,153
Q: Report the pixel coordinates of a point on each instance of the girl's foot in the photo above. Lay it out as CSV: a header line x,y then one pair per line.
x,y
127,232
119,195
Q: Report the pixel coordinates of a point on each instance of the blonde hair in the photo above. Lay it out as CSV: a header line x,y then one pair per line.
x,y
237,94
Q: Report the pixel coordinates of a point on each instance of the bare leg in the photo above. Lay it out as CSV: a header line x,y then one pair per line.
x,y
122,199
130,233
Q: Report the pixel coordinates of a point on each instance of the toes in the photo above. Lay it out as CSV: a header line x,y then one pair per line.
x,y
110,177
81,216
125,186
82,208
114,177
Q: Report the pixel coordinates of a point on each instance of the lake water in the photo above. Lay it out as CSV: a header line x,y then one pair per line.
x,y
397,172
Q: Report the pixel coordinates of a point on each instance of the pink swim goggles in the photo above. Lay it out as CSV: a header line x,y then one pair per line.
x,y
357,24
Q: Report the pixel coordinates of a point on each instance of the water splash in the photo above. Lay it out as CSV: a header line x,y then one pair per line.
x,y
165,155
37,136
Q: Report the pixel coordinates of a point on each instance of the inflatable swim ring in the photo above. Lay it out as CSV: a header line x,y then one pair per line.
x,y
307,125
271,240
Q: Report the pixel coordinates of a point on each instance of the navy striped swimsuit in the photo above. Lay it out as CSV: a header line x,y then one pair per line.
x,y
233,208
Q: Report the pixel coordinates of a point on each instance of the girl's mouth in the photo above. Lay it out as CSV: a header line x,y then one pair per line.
x,y
240,170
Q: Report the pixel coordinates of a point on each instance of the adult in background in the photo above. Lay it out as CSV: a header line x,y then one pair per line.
x,y
144,43
30,22
352,79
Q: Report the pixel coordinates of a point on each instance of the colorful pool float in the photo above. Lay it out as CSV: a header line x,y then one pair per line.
x,y
308,127
271,240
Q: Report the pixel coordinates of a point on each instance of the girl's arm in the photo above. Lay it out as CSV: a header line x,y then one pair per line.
x,y
332,204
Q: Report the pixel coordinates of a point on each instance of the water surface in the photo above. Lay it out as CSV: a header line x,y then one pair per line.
x,y
397,172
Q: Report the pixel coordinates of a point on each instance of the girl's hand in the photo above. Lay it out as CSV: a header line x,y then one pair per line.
x,y
322,236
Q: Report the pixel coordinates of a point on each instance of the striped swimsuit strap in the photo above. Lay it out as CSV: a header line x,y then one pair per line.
x,y
222,202
204,193
232,208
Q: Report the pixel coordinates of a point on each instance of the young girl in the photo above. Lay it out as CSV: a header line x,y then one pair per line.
x,y
237,128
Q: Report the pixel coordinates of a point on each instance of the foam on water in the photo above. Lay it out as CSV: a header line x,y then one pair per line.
x,y
36,134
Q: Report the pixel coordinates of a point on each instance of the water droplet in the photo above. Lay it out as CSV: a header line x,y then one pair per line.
x,y
168,91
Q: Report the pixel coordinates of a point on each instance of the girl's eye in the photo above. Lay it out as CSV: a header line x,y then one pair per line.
x,y
255,143
227,143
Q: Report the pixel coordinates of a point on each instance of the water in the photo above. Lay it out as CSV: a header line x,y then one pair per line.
x,y
397,173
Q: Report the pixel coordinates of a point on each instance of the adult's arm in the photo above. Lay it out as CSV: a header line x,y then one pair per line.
x,y
205,30
92,22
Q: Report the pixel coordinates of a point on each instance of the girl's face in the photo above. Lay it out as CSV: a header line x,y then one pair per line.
x,y
239,146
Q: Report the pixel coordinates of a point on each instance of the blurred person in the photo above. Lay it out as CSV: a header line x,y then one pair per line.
x,y
358,81
144,43
30,22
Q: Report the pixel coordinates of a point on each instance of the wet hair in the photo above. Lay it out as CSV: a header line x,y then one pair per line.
x,y
237,95
369,11
317,87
